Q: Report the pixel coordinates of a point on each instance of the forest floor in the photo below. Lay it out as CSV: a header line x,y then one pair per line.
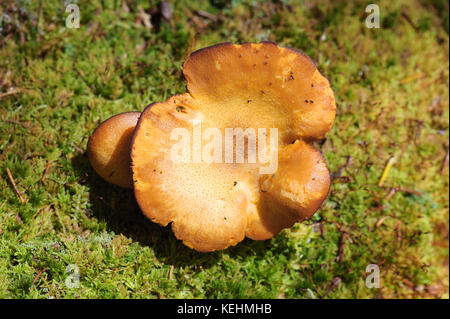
x,y
63,223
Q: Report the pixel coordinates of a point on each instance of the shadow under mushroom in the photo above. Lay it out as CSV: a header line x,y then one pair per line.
x,y
118,209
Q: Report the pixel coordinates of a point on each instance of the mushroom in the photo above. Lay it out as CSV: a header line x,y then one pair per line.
x,y
108,148
214,204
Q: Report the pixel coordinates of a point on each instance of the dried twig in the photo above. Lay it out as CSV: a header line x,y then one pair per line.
x,y
410,21
402,189
322,229
25,125
391,193
445,163
399,230
342,246
409,191
10,92
166,10
386,170
380,221
171,272
199,23
46,171
408,283
336,281
207,15
19,220
37,277
434,103
338,174
144,17
77,148
14,185
411,78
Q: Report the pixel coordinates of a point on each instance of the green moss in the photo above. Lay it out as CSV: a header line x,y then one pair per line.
x,y
391,86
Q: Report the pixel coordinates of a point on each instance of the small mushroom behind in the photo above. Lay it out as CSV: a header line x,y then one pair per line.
x,y
108,148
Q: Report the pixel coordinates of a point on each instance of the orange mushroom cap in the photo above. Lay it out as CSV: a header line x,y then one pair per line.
x,y
213,205
108,148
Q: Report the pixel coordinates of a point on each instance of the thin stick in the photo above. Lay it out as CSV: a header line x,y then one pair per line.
x,y
10,92
410,21
380,221
38,276
171,272
46,171
342,246
402,189
408,190
391,193
387,168
206,15
19,220
14,185
15,122
399,230
411,78
444,164
342,167
336,281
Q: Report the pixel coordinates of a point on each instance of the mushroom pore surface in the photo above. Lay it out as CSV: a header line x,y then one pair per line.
x,y
213,205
